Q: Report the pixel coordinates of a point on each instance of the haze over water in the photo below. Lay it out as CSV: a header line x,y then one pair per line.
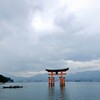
x,y
41,91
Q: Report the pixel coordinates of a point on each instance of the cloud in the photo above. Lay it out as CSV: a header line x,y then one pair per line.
x,y
27,73
76,66
35,35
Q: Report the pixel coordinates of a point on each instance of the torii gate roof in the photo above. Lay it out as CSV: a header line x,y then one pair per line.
x,y
57,70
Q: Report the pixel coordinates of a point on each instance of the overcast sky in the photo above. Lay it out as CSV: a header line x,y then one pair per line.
x,y
40,34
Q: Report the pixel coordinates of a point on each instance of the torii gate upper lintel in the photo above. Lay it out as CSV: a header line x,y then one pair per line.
x,y
52,72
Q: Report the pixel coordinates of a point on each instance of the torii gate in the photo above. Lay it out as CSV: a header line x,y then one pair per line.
x,y
52,72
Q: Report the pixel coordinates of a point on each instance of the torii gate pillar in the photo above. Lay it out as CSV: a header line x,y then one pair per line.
x,y
51,79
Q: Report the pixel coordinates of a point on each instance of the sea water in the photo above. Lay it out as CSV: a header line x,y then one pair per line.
x,y
41,91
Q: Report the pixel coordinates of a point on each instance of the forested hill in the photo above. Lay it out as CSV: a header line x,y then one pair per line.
x,y
4,79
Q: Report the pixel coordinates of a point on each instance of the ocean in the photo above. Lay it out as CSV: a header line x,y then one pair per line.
x,y
41,91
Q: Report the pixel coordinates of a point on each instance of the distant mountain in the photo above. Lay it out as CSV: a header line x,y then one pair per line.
x,y
37,78
84,76
4,79
79,76
18,79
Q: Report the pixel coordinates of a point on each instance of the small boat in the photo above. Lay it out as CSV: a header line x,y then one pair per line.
x,y
16,86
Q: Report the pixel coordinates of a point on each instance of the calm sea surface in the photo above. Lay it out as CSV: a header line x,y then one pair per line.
x,y
41,91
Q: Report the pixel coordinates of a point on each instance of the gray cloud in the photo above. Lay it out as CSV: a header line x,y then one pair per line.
x,y
35,35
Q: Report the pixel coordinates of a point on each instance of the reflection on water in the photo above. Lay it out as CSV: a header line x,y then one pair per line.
x,y
51,93
57,94
63,93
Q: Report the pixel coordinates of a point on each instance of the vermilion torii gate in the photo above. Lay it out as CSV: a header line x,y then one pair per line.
x,y
52,72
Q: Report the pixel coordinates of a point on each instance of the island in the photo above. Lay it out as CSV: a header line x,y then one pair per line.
x,y
4,79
